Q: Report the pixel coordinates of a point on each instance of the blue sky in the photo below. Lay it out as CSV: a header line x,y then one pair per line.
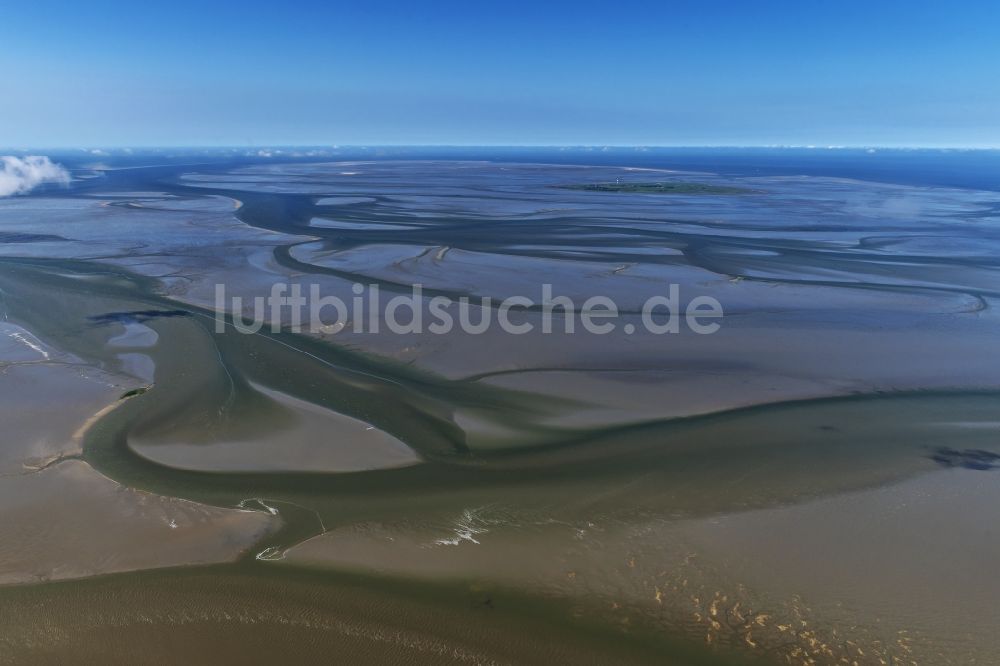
x,y
595,73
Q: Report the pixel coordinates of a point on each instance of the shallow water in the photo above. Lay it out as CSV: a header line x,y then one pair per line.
x,y
814,481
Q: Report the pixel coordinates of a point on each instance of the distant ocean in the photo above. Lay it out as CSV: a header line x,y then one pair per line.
x,y
975,169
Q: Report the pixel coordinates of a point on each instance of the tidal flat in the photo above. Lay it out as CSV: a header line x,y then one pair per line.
x,y
814,483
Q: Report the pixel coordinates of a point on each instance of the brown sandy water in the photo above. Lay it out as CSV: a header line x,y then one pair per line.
x,y
251,616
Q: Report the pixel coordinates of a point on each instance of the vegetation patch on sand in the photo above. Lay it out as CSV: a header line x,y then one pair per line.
x,y
674,187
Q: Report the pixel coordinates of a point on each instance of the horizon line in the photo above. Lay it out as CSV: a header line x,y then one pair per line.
x,y
90,148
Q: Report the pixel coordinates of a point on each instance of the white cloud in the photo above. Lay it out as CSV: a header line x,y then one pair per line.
x,y
19,175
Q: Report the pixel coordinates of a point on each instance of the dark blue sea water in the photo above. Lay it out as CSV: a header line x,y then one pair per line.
x,y
977,169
